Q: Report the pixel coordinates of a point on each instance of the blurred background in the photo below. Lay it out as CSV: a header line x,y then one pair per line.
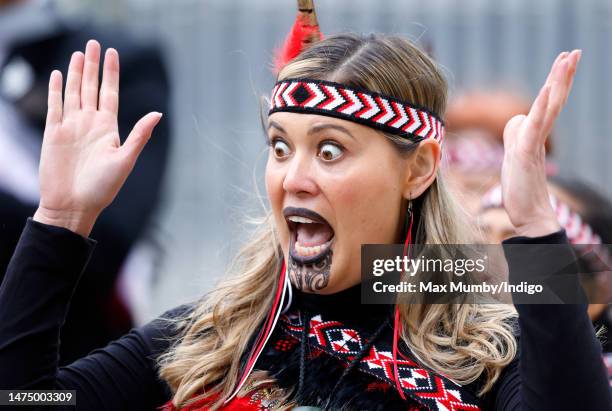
x,y
218,56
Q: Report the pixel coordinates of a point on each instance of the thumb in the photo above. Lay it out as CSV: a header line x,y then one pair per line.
x,y
511,129
140,135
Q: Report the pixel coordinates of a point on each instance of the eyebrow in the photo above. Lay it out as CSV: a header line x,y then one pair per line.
x,y
276,125
314,129
319,127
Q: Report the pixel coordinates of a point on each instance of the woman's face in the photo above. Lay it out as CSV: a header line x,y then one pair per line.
x,y
333,185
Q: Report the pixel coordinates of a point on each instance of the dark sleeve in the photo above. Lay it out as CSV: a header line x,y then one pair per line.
x,y
34,298
559,364
13,215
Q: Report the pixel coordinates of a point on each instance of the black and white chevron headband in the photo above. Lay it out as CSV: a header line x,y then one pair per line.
x,y
361,106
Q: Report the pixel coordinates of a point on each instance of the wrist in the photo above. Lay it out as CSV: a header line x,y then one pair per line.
x,y
538,227
79,222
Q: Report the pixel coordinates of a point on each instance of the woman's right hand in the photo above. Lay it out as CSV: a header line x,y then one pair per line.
x,y
83,163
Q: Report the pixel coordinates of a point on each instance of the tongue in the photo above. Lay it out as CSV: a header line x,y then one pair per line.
x,y
310,235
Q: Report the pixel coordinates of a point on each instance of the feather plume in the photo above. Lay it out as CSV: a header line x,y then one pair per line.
x,y
305,31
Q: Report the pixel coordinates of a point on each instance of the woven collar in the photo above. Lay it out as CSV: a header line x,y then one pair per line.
x,y
427,388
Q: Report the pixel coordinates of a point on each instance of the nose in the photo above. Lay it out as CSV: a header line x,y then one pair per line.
x,y
299,179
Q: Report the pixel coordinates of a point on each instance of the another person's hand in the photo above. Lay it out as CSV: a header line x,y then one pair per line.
x,y
83,163
523,177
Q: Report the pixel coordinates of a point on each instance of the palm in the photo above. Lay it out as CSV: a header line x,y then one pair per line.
x,y
84,136
523,179
83,164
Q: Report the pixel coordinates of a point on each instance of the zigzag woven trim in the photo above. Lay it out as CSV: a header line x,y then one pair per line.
x,y
428,389
579,233
362,106
577,230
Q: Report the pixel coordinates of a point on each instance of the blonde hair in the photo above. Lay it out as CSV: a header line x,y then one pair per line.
x,y
464,342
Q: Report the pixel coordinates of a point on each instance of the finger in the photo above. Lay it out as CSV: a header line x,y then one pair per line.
x,y
561,84
558,93
560,57
537,113
565,79
140,135
54,100
72,99
511,130
574,60
536,119
109,92
89,85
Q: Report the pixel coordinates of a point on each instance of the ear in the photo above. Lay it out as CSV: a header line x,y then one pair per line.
x,y
421,168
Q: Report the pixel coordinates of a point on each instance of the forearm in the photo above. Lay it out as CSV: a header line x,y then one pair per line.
x,y
561,365
560,358
34,298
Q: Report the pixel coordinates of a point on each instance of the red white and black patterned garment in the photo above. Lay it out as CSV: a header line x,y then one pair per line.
x,y
341,332
559,366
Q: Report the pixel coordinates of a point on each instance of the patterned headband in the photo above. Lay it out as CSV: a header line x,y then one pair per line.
x,y
359,105
579,233
577,230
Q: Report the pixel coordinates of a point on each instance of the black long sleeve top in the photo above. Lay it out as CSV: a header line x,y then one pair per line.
x,y
559,366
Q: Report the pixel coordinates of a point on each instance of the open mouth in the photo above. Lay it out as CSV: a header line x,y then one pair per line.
x,y
311,235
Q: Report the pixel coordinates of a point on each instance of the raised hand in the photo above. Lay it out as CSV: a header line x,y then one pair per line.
x,y
83,163
523,178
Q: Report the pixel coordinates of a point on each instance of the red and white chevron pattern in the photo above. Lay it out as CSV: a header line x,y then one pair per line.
x,y
428,389
578,232
372,109
473,152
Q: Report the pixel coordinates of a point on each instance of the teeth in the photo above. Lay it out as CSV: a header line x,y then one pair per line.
x,y
305,251
298,219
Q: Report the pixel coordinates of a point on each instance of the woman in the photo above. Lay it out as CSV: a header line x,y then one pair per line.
x,y
586,215
343,170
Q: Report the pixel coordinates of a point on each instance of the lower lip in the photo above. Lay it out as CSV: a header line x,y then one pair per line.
x,y
311,259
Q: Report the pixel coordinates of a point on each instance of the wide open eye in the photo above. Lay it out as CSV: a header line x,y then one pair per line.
x,y
329,152
280,148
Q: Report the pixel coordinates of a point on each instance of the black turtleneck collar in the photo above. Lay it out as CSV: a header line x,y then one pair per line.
x,y
344,306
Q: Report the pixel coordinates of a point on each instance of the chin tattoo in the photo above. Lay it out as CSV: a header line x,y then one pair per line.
x,y
310,277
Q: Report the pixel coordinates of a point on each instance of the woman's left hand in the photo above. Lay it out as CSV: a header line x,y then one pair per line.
x,y
523,178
